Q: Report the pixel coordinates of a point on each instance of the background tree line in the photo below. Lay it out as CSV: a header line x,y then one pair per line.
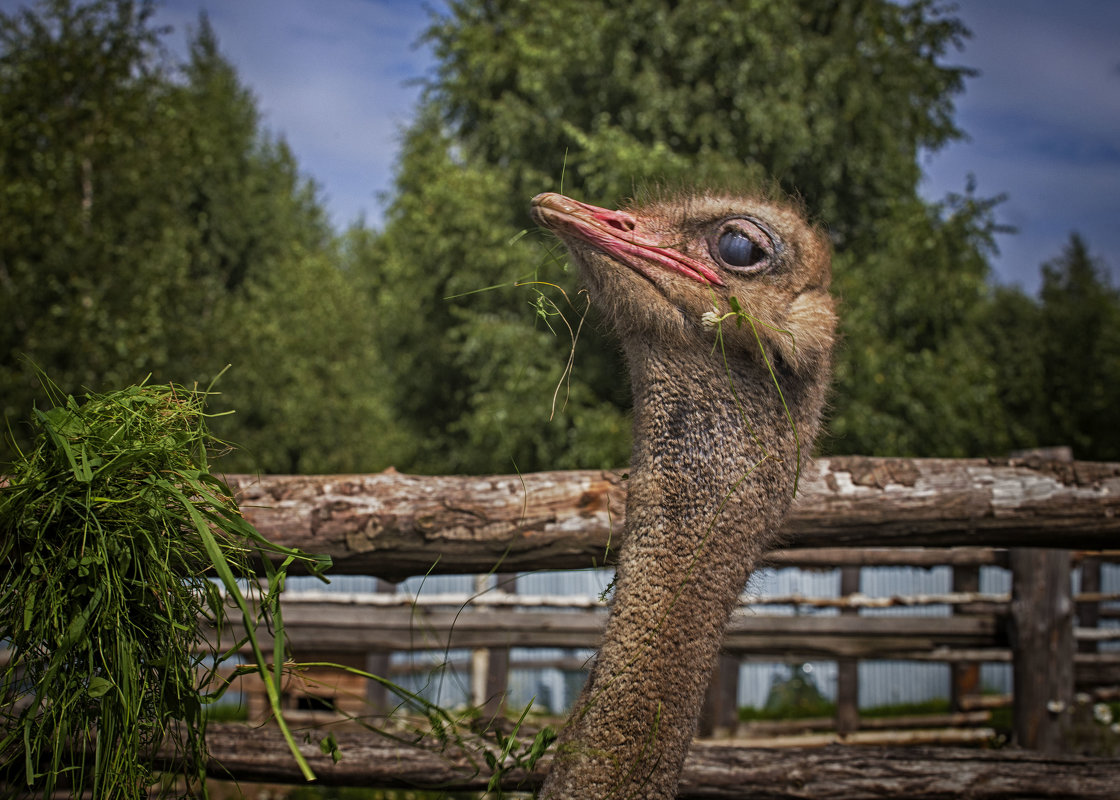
x,y
150,224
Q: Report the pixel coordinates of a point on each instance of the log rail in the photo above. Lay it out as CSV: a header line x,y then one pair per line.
x,y
712,771
394,526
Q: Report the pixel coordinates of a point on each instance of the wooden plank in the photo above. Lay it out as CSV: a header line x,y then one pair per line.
x,y
497,663
721,703
395,525
928,557
785,727
313,627
1094,670
976,602
908,738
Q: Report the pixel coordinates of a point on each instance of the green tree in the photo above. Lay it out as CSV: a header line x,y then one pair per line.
x,y
833,100
307,387
1080,342
449,317
151,225
912,376
1011,338
84,293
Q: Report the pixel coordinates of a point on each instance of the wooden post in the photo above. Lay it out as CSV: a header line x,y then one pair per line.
x,y
1042,646
1089,613
965,676
847,669
480,656
497,668
377,663
721,704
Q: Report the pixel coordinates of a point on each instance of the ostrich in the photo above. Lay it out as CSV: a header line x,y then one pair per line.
x,y
722,309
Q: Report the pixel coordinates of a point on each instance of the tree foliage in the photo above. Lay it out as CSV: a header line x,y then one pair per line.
x,y
1057,357
833,101
1080,332
151,225
474,367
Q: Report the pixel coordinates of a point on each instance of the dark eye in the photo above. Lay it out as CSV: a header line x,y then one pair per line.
x,y
737,250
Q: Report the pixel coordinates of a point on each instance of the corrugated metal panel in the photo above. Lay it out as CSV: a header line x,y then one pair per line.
x,y
880,682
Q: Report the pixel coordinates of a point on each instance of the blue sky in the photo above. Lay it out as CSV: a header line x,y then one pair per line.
x,y
336,79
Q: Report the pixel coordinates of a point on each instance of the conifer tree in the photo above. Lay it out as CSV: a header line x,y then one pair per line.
x,y
833,101
151,225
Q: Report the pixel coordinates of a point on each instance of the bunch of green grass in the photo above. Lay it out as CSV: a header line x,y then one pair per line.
x,y
118,547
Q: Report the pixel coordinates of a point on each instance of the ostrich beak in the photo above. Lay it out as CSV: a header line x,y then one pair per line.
x,y
615,233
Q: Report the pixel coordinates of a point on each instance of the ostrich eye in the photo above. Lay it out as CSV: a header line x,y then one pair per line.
x,y
737,250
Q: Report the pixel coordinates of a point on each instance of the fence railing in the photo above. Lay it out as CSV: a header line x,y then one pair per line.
x,y
323,625
394,526
853,511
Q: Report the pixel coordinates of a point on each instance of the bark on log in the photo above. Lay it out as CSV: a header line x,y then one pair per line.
x,y
715,772
393,525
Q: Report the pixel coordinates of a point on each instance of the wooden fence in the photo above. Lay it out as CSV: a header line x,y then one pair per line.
x,y
354,628
851,511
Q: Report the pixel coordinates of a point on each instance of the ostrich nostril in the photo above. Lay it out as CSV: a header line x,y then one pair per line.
x,y
618,220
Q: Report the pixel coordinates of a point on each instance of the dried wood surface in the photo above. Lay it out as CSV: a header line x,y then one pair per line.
x,y
891,738
712,770
394,525
499,599
757,729
339,628
335,626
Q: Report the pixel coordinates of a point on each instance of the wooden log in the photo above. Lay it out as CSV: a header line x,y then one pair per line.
x,y
317,627
712,772
785,727
395,525
893,738
928,557
1042,645
847,669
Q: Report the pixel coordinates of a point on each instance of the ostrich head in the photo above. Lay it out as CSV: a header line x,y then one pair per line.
x,y
666,272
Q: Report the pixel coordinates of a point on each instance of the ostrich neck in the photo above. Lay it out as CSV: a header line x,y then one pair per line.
x,y
703,501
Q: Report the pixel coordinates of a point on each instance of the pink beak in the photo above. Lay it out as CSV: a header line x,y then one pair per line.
x,y
615,233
